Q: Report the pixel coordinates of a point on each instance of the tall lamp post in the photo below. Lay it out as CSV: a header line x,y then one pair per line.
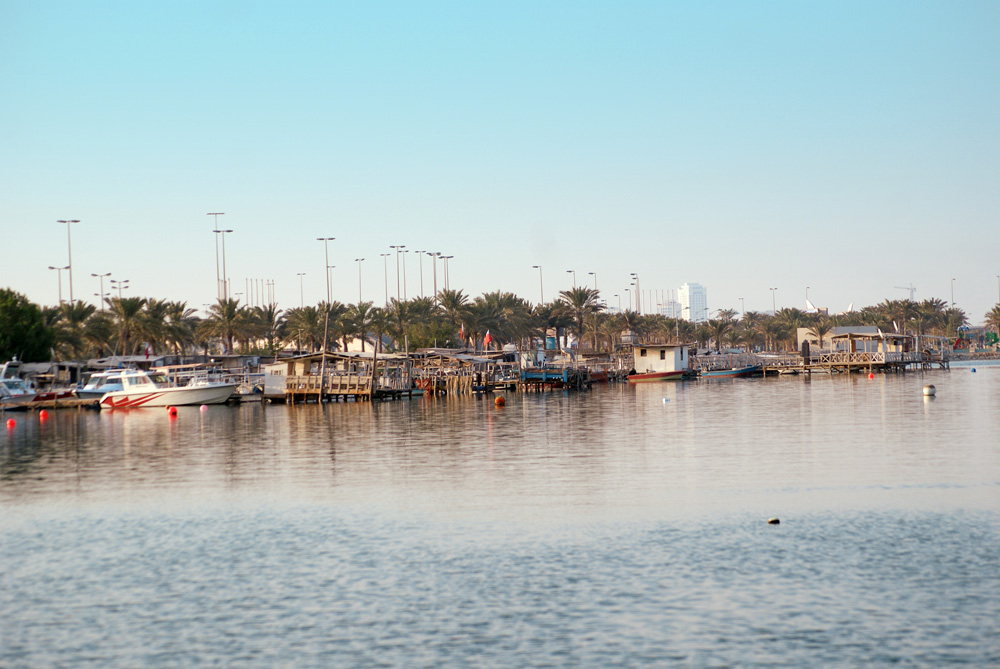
x,y
743,308
594,274
59,274
573,272
224,285
420,257
774,309
397,247
447,279
101,277
359,261
385,264
302,298
218,285
69,265
405,251
326,256
807,297
434,255
952,290
541,288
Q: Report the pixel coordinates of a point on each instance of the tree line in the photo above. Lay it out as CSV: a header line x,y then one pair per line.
x,y
130,325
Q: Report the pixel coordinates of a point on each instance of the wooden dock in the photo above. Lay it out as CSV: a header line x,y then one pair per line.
x,y
540,379
846,363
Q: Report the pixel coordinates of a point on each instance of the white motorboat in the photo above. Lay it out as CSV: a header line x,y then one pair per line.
x,y
153,389
101,383
14,392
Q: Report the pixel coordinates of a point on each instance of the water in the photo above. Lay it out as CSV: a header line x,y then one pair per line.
x,y
624,526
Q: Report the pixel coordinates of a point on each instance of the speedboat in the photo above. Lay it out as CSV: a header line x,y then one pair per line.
x,y
101,383
14,392
154,389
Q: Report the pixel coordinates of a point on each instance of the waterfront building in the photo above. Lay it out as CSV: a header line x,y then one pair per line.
x,y
694,302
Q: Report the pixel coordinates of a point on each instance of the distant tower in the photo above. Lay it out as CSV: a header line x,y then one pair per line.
x,y
694,302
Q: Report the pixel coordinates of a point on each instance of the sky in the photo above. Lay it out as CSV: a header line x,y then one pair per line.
x,y
845,151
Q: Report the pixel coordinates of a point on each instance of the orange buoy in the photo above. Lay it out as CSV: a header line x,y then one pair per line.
x,y
43,415
172,411
871,375
499,401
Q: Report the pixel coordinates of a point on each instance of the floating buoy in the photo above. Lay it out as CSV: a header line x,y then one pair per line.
x,y
11,423
871,375
43,415
773,521
172,411
930,390
499,401
973,370
204,407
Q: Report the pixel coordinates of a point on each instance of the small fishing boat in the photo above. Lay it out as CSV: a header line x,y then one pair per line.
x,y
655,377
14,392
144,389
733,373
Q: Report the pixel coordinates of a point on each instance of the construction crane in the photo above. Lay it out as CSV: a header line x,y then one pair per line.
x,y
910,288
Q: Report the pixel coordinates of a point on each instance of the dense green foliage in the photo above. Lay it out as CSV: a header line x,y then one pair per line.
x,y
23,330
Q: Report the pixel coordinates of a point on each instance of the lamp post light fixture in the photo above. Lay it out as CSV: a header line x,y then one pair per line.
x,y
69,249
385,263
434,256
807,297
619,301
573,272
447,277
302,299
359,261
101,277
743,308
405,251
594,274
59,271
326,254
122,285
638,293
952,291
774,309
420,257
224,284
541,288
218,285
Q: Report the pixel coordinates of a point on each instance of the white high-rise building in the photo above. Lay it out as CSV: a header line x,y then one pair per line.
x,y
694,302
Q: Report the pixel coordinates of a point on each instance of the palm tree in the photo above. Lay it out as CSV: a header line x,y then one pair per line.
x,y
127,315
719,328
455,307
70,329
359,318
581,301
180,327
820,329
226,320
268,319
992,318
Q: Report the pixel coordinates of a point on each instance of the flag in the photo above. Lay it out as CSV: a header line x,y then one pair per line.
x,y
487,339
147,352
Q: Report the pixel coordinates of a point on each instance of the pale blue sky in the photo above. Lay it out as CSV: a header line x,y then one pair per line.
x,y
851,147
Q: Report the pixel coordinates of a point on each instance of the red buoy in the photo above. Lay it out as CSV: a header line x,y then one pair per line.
x,y
172,411
871,375
11,423
43,415
499,401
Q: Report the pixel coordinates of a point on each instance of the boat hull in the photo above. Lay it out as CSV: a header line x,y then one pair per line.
x,y
165,397
656,377
741,372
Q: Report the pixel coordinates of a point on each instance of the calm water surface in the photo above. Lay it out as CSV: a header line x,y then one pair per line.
x,y
624,526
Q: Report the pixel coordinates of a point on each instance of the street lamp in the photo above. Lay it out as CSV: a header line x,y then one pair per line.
x,y
619,302
573,272
101,277
225,279
420,256
326,252
385,263
638,293
302,299
952,291
359,261
743,308
69,265
447,281
122,285
541,288
59,275
405,251
397,247
594,274
218,286
774,310
807,297
434,256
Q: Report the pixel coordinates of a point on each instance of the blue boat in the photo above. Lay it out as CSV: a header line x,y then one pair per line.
x,y
735,372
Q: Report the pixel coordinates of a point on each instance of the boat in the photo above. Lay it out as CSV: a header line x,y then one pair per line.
x,y
145,389
653,363
653,377
101,383
14,392
732,373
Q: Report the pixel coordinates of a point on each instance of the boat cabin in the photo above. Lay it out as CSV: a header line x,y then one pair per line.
x,y
657,358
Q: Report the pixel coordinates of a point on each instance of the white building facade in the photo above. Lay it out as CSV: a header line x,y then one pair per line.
x,y
694,302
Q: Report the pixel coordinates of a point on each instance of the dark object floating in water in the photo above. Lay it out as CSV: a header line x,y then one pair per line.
x,y
773,521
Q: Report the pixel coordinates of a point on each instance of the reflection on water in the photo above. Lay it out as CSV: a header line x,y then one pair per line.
x,y
619,526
